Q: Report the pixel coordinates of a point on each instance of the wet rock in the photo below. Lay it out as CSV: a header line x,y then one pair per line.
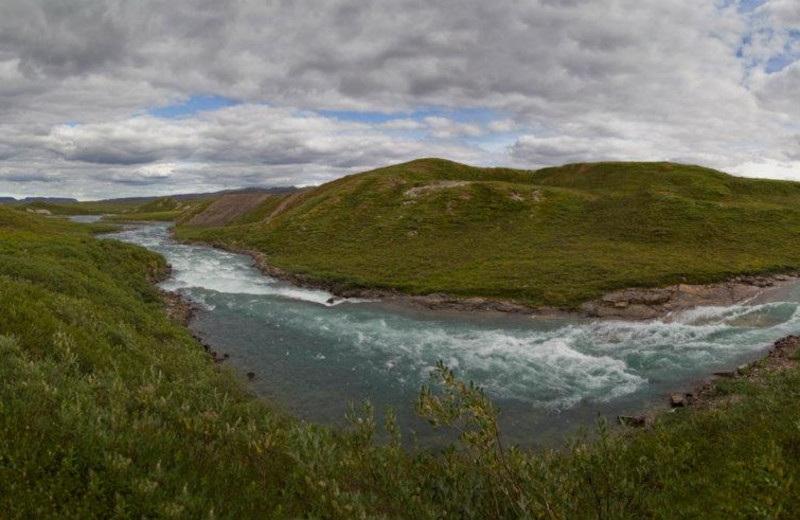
x,y
636,421
655,297
218,358
331,301
677,400
251,375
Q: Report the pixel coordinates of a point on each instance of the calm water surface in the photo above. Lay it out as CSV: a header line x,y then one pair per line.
x,y
549,376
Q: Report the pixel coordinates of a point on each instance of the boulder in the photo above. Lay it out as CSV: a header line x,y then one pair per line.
x,y
677,400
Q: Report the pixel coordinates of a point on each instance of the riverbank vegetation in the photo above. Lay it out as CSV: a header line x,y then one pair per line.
x,y
162,209
555,237
109,409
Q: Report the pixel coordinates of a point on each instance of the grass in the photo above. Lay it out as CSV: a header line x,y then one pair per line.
x,y
165,208
145,217
108,409
555,237
82,208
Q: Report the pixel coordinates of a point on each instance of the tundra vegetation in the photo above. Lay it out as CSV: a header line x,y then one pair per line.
x,y
555,237
109,409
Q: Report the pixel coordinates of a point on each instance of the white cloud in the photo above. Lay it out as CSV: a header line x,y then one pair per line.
x,y
686,80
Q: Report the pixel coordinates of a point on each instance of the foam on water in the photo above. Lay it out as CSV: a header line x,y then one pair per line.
x,y
554,364
215,270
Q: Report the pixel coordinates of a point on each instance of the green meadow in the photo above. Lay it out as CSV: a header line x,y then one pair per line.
x,y
553,237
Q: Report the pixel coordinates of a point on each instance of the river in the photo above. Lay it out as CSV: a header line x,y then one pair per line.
x,y
549,376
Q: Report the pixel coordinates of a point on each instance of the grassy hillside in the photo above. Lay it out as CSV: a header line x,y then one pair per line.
x,y
81,208
237,208
554,237
165,208
108,409
162,209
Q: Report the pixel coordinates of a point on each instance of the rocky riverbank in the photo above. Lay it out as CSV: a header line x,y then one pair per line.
x,y
632,304
635,304
783,355
645,304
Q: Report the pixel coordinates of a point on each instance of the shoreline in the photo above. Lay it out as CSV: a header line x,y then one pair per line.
x,y
645,304
702,395
630,304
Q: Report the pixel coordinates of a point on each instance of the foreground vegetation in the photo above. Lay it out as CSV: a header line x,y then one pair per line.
x,y
554,237
109,409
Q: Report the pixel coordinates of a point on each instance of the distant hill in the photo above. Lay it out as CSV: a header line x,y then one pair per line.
x,y
557,236
28,200
200,196
140,208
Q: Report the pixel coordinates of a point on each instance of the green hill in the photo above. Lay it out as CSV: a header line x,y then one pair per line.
x,y
554,237
164,208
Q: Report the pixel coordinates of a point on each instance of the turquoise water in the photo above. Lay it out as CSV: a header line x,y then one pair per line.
x,y
549,376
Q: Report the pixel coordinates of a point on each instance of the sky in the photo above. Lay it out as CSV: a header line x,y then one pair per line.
x,y
118,98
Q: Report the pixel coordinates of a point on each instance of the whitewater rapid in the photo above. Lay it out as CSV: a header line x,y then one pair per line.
x,y
316,357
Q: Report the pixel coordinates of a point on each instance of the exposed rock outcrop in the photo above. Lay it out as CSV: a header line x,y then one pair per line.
x,y
643,304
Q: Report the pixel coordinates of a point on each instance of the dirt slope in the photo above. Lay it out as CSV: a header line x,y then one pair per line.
x,y
227,208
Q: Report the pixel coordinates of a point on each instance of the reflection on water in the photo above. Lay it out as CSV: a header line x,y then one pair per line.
x,y
548,375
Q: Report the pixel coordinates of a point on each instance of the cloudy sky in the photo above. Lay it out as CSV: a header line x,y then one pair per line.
x,y
116,98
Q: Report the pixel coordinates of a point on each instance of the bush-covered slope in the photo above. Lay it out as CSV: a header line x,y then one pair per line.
x,y
557,236
109,410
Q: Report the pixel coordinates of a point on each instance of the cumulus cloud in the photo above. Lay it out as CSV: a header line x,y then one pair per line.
x,y
556,81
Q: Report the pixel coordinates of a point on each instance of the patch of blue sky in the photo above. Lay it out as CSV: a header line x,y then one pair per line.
x,y
790,54
461,115
193,105
362,116
498,142
748,6
780,62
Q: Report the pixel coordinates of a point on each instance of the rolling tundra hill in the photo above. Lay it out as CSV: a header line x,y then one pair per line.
x,y
552,237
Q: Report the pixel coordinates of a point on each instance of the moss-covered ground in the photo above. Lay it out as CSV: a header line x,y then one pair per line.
x,y
554,237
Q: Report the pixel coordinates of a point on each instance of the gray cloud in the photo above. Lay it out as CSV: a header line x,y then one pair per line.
x,y
612,79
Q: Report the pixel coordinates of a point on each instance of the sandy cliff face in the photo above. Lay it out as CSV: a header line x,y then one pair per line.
x,y
226,209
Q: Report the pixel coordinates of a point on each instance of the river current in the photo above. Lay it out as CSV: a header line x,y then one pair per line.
x,y
549,376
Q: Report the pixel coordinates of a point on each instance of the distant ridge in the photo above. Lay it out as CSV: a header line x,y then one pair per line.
x,y
195,196
26,200
133,200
